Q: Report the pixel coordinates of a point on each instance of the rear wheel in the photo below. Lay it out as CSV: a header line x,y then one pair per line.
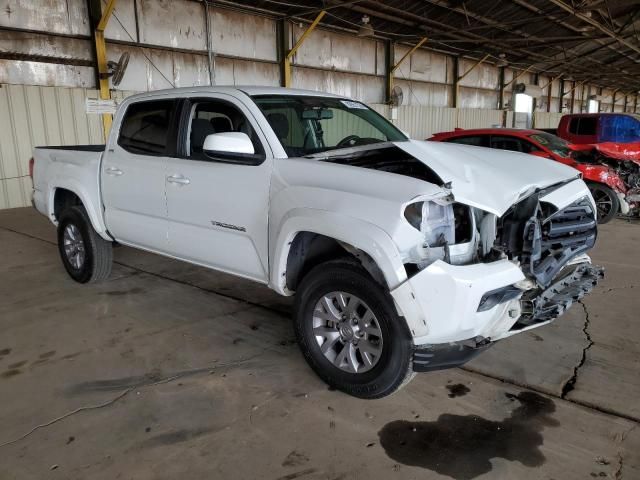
x,y
349,332
607,202
86,256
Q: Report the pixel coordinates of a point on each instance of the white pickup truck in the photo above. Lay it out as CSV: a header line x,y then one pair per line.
x,y
404,255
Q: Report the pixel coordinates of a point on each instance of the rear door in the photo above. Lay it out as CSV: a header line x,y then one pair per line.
x,y
133,174
218,205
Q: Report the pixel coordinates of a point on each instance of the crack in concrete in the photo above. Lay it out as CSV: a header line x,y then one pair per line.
x,y
617,475
571,383
121,395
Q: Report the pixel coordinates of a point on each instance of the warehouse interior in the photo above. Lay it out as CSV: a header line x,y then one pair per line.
x,y
169,369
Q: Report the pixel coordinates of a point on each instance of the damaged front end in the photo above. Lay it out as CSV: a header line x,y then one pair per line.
x,y
550,245
476,278
623,160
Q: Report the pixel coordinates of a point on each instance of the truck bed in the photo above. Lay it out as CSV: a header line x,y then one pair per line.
x,y
75,168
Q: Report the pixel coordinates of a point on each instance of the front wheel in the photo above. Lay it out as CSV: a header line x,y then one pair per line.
x,y
86,256
607,201
349,332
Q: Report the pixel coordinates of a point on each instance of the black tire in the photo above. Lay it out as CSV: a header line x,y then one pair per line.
x,y
394,366
607,202
98,253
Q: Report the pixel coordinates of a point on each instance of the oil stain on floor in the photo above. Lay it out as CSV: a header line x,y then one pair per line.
x,y
461,447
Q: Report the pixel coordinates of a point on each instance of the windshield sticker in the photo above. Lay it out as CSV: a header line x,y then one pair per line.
x,y
352,104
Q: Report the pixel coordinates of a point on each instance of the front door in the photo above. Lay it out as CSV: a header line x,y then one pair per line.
x,y
133,175
218,205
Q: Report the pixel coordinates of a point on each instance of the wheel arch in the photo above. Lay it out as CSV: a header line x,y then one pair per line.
x,y
68,194
307,237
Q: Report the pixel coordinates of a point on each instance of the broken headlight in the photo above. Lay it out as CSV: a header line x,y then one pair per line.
x,y
441,224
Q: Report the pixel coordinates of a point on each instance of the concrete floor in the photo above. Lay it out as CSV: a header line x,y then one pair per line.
x,y
172,371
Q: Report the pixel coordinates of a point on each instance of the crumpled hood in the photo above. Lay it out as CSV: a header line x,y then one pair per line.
x,y
491,180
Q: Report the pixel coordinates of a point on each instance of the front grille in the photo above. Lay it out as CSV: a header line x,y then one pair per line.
x,y
550,243
544,240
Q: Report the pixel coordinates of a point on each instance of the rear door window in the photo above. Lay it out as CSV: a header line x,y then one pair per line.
x,y
475,140
502,142
146,128
583,125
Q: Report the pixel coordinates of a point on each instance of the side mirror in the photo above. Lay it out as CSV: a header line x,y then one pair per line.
x,y
541,154
228,142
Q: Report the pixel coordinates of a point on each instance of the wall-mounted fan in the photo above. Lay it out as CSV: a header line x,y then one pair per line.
x,y
117,69
396,96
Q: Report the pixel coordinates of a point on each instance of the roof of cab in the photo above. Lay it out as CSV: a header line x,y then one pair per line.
x,y
249,90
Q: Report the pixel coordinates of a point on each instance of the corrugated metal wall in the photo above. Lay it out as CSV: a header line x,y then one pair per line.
x,y
422,122
32,116
547,119
35,116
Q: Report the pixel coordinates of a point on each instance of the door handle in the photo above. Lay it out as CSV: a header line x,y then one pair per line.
x,y
114,171
179,179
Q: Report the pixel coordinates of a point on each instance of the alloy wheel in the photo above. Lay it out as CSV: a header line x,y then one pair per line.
x,y
74,246
347,331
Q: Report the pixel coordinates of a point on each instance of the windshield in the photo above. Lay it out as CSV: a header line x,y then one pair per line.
x,y
556,144
307,124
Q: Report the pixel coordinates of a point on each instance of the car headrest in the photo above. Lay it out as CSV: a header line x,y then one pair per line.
x,y
200,128
221,124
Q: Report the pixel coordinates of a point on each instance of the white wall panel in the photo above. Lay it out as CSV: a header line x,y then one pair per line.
x,y
425,94
172,23
547,119
325,49
476,98
67,17
20,72
241,35
35,116
483,76
23,43
122,25
422,122
244,72
424,66
478,118
152,69
368,89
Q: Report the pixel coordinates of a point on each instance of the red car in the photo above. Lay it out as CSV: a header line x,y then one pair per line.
x,y
606,186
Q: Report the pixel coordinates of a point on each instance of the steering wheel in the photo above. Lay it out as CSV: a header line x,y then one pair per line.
x,y
348,141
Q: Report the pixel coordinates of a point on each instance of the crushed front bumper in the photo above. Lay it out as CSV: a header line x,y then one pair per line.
x,y
444,305
538,307
569,287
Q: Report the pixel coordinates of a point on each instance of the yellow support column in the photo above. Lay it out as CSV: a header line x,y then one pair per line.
x,y
101,57
292,52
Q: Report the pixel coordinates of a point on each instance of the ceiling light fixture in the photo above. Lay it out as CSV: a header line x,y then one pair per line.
x,y
365,29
